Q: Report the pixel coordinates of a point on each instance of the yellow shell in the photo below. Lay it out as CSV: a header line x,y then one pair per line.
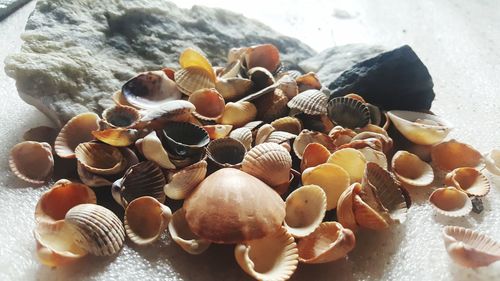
x,y
32,161
101,159
314,155
192,58
193,78
306,137
288,124
305,209
77,130
333,179
183,236
351,160
410,170
185,180
452,154
238,114
451,202
269,162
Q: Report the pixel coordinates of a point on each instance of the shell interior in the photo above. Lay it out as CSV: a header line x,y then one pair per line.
x,y
409,169
306,137
185,139
121,116
332,178
492,161
150,89
208,102
226,152
452,154
469,180
100,158
184,181
183,236
146,219
77,130
420,128
32,161
314,155
305,209
451,202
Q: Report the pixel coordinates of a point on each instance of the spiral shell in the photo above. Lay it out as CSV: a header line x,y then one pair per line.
x,y
269,162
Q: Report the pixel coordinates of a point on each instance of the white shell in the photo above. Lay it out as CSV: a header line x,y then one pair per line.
x,y
420,128
492,161
32,161
152,149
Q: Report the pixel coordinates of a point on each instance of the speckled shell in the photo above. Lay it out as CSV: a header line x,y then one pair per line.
x,y
233,89
77,130
193,78
450,202
208,102
287,124
306,137
32,161
269,162
452,154
183,236
120,116
184,181
99,158
410,170
432,131
244,135
238,114
313,102
348,112
305,209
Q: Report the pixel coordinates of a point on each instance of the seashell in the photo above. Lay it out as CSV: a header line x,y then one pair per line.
x,y
218,131
143,179
41,134
236,54
193,78
244,135
333,179
341,136
308,81
265,55
305,209
231,206
169,111
117,137
356,97
99,158
121,116
238,114
146,219
183,236
452,154
152,149
208,102
386,142
314,155
451,202
374,129
351,160
271,106
100,231
56,245
231,70
348,113
280,137
185,139
77,130
345,211
32,161
288,85
420,128
306,137
182,161
260,77
62,196
192,58
91,179
370,216
185,180
468,180
409,169
329,242
233,89
226,152
263,133
375,114
492,161
254,126
269,162
288,124
149,89
470,248
272,258
313,102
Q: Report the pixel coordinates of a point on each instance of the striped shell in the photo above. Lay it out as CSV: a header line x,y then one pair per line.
x,y
244,135
184,181
192,79
313,102
348,112
77,130
226,152
270,162
99,158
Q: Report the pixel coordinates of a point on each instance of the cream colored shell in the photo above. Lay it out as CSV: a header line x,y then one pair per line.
x,y
332,178
152,149
269,162
185,180
469,180
452,154
450,202
238,113
305,209
410,170
183,236
244,135
99,158
420,128
306,137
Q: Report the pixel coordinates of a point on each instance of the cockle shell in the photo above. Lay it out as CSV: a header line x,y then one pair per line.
x,y
153,150
184,139
193,78
280,137
233,89
329,242
146,219
313,102
348,112
332,178
314,155
226,152
345,211
470,248
120,116
308,81
420,128
288,124
306,137
451,202
351,160
238,114
468,180
260,77
77,130
208,102
265,55
375,156
288,85
192,58
100,231
356,97
32,161
271,106
231,206
99,158
183,236
263,133
184,181
218,131
269,162
305,209
452,154
272,258
244,135
117,136
410,170
492,161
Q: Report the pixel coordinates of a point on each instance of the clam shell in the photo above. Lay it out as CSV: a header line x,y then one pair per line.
x,y
348,112
288,124
183,236
306,137
333,179
145,220
60,198
375,156
272,258
351,160
260,77
231,70
238,114
117,136
468,180
192,58
185,180
409,169
218,131
265,55
288,85
272,106
329,242
452,154
233,89
313,102
100,231
185,139
208,102
269,162
305,209
308,81
470,248
451,202
414,127
385,142
193,78
101,159
280,137
492,161
314,155
231,206
152,149
121,116
177,110
77,130
226,152
345,211
32,161
263,133
244,135
341,136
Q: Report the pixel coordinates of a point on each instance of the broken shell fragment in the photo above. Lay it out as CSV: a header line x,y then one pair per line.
x,y
341,136
152,149
185,139
118,137
32,161
288,85
308,81
333,179
183,236
208,102
120,116
492,161
313,102
468,180
288,124
99,158
348,112
420,128
410,170
244,135
77,130
451,202
305,209
218,131
351,160
314,155
238,113
269,162
306,137
184,181
226,152
452,154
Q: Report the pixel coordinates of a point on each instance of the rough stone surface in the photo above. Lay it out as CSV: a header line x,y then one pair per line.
x,y
77,53
9,6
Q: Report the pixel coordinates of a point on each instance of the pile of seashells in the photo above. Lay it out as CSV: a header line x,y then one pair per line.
x,y
262,157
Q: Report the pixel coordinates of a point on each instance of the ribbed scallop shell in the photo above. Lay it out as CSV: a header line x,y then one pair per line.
x,y
184,181
99,158
120,116
208,102
345,211
272,258
271,106
451,202
305,209
375,156
244,135
492,161
269,162
288,124
233,89
351,160
100,231
193,78
183,236
306,137
263,133
153,150
238,114
192,58
348,112
409,169
314,155
420,128
452,154
32,161
313,102
308,81
226,152
77,130
280,137
470,248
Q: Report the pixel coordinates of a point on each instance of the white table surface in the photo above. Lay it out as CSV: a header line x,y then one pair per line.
x,y
459,41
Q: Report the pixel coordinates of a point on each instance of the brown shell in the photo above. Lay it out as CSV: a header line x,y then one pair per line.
x,y
265,55
182,182
287,124
32,161
306,137
271,106
77,130
269,162
451,202
233,89
226,152
208,102
120,116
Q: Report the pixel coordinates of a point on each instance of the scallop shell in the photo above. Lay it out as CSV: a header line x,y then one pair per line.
x,y
121,116
152,149
269,162
185,180
305,209
308,81
288,85
117,136
306,137
469,180
193,78
192,58
100,231
218,131
329,242
226,152
470,248
260,77
263,133
231,206
184,139
208,102
375,156
288,124
356,97
145,220
314,155
452,154
265,55
244,135
183,236
313,102
233,89
348,112
77,130
238,114
99,158
420,128
492,161
409,169
333,179
351,160
60,198
272,258
451,202
32,161
345,211
272,106
280,137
